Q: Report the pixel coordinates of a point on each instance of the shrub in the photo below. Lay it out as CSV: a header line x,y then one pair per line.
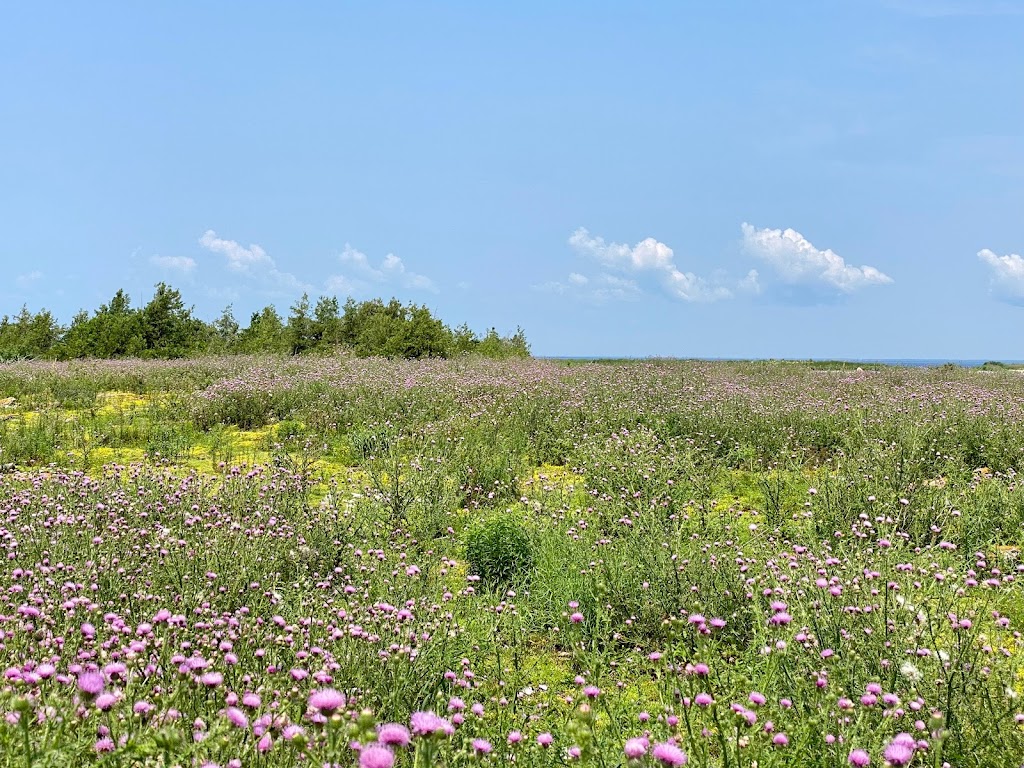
x,y
499,551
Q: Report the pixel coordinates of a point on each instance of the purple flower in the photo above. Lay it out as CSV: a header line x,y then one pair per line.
x,y
859,758
703,700
635,749
236,717
376,756
326,701
780,739
481,746
105,701
90,683
900,750
429,723
393,734
545,739
211,679
668,753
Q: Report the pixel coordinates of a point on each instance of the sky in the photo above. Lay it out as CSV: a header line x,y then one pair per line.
x,y
692,179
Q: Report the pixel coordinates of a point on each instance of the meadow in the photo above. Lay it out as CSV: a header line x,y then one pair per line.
x,y
249,561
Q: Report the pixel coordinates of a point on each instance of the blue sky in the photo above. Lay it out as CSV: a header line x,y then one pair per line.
x,y
735,179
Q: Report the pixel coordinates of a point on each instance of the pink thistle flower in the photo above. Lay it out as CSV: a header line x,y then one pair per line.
x,y
669,754
859,758
900,750
90,683
429,723
393,734
376,756
326,701
635,749
545,739
236,717
482,746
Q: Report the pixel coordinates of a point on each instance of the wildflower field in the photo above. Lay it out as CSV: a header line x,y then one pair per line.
x,y
327,561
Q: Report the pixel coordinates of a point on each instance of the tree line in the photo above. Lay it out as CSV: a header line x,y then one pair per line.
x,y
166,328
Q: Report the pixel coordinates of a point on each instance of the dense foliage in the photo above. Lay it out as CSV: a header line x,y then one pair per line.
x,y
294,561
166,328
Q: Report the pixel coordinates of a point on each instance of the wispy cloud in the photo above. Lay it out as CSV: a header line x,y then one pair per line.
x,y
183,264
1007,275
28,278
649,259
796,262
255,263
599,288
391,270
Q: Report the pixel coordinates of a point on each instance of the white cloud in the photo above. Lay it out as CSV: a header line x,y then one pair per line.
x,y
239,258
183,264
28,278
648,257
1007,275
391,270
339,284
797,262
600,288
254,262
751,283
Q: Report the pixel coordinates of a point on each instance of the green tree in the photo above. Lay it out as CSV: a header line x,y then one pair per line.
x,y
299,331
266,332
226,330
168,328
326,323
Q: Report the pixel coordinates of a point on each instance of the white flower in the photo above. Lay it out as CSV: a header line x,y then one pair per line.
x,y
911,672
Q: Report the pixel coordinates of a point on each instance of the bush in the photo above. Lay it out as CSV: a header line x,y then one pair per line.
x,y
499,551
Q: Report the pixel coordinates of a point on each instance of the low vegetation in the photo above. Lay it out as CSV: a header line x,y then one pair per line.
x,y
307,561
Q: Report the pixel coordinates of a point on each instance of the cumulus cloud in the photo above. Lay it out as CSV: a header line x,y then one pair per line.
x,y
797,262
240,258
1007,275
391,270
648,258
253,262
184,264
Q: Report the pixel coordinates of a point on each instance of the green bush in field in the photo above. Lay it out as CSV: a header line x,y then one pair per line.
x,y
499,551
